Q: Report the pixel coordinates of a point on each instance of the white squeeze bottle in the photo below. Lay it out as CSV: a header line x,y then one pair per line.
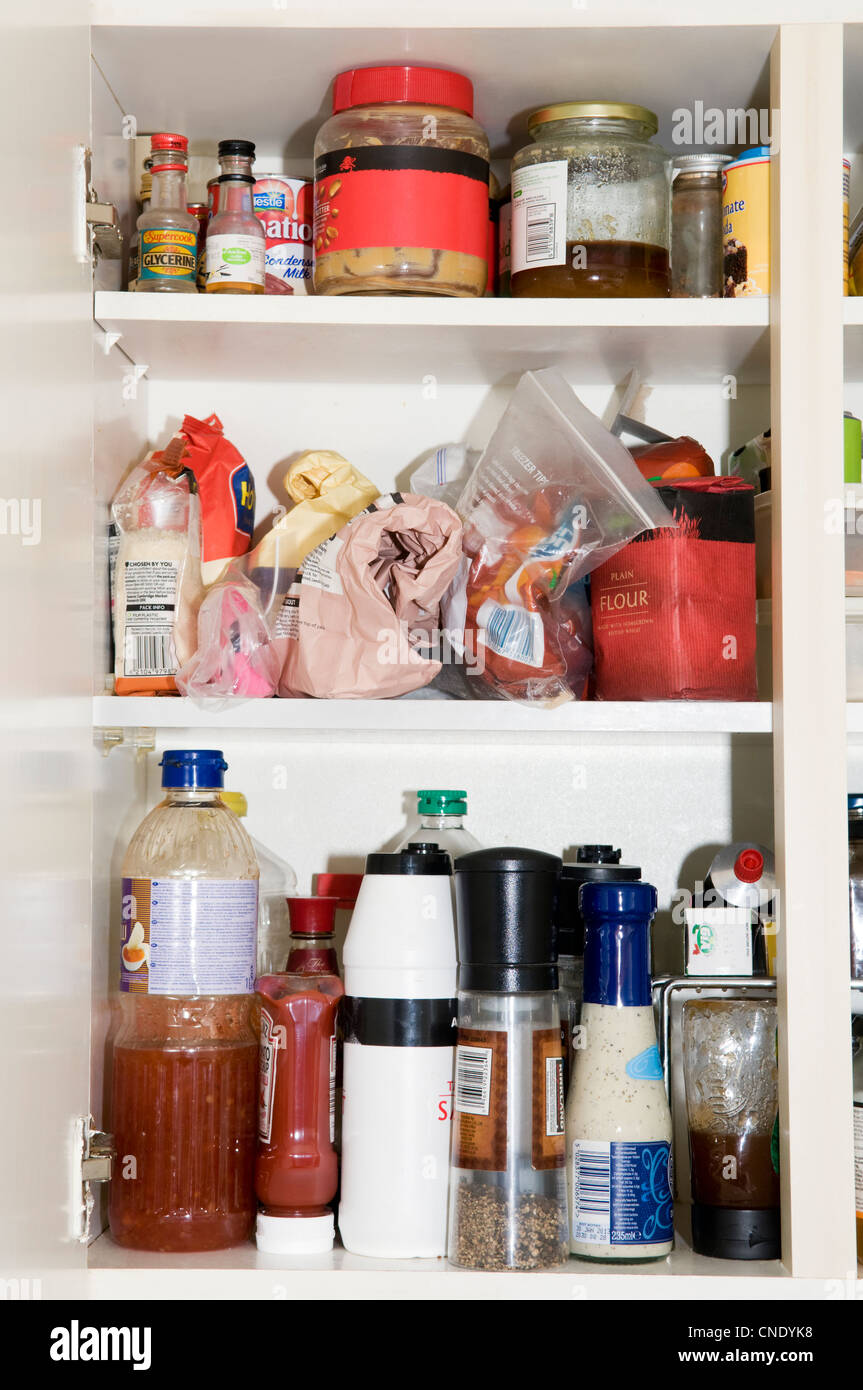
x,y
618,1121
441,822
398,1025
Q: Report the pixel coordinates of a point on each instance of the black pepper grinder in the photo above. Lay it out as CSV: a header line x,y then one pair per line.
x,y
507,1179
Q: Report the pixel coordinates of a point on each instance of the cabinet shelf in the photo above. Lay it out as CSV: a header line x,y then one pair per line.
x,y
400,339
479,719
242,1272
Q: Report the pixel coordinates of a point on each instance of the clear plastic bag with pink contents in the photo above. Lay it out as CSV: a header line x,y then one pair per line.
x,y
234,656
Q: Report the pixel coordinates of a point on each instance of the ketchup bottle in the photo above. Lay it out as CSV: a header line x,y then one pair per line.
x,y
296,1173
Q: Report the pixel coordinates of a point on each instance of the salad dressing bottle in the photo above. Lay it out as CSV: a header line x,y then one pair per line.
x,y
618,1121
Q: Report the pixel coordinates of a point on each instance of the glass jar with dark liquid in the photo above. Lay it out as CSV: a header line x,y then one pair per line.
x,y
591,205
730,1071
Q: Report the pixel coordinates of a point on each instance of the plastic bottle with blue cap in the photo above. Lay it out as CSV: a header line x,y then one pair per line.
x,y
618,1121
185,1052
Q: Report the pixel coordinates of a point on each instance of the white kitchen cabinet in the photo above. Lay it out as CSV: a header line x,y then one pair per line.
x,y
90,380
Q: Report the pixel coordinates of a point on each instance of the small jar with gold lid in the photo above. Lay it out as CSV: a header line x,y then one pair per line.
x,y
591,204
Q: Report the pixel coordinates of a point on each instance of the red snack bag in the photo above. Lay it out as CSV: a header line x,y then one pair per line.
x,y
674,611
226,490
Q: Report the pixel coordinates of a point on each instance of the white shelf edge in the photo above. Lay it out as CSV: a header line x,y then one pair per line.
x,y
435,716
852,311
121,306
117,1273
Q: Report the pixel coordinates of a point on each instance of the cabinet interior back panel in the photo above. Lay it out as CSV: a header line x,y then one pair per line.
x,y
186,78
386,430
324,805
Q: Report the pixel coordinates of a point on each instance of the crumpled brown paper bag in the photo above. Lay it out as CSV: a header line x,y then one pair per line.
x,y
365,601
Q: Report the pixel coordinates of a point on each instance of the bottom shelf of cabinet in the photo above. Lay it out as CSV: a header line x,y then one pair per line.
x,y
242,1273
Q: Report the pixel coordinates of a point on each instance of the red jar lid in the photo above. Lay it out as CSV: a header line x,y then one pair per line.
x,y
423,86
749,866
312,916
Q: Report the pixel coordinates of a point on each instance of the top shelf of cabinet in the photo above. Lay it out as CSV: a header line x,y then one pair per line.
x,y
400,339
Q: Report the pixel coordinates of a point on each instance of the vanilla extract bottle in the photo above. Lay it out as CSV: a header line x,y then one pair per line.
x,y
236,252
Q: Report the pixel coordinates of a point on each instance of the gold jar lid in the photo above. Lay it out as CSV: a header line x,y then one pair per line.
x,y
602,110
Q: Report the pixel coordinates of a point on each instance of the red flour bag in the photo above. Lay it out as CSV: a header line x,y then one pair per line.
x,y
674,610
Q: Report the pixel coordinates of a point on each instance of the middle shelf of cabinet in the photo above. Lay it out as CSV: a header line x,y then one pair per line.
x,y
401,339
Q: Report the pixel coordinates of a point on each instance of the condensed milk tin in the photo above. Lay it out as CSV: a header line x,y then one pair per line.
x,y
746,224
285,208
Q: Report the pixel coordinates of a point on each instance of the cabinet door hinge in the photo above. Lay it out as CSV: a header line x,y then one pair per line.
x,y
101,220
96,1157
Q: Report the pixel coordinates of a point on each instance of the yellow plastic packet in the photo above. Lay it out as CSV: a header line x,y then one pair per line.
x,y
328,491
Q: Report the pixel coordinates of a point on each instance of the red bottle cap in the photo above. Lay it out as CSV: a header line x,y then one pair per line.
x,y
345,887
312,916
749,865
423,86
166,141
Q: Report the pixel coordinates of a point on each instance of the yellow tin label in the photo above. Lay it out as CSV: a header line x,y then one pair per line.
x,y
746,226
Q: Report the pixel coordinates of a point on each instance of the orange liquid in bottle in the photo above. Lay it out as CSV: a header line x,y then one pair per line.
x,y
186,1118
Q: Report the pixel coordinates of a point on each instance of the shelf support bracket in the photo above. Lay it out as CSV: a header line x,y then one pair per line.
x,y
142,740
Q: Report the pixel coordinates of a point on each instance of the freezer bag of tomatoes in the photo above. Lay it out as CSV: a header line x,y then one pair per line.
x,y
553,496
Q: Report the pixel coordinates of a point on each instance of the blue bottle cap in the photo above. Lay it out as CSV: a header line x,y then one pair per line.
x,y
193,767
855,801
620,901
617,942
756,152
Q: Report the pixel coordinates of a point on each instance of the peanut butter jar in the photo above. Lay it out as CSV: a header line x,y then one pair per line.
x,y
401,186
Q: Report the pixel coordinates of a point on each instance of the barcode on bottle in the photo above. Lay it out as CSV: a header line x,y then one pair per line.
x,y
148,654
333,1089
514,633
591,1192
473,1080
540,224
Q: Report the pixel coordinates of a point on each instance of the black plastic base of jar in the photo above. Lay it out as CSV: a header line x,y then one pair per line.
x,y
728,1233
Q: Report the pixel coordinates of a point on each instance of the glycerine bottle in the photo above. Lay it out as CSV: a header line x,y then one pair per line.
x,y
618,1121
185,1050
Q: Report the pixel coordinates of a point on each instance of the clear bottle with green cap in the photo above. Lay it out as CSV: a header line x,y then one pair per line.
x,y
441,815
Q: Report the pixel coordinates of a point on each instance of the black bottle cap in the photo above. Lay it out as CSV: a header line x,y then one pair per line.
x,y
729,1233
597,854
245,149
417,858
506,900
594,864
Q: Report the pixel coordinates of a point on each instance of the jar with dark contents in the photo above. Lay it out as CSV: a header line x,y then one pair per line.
x,y
590,204
696,226
401,186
